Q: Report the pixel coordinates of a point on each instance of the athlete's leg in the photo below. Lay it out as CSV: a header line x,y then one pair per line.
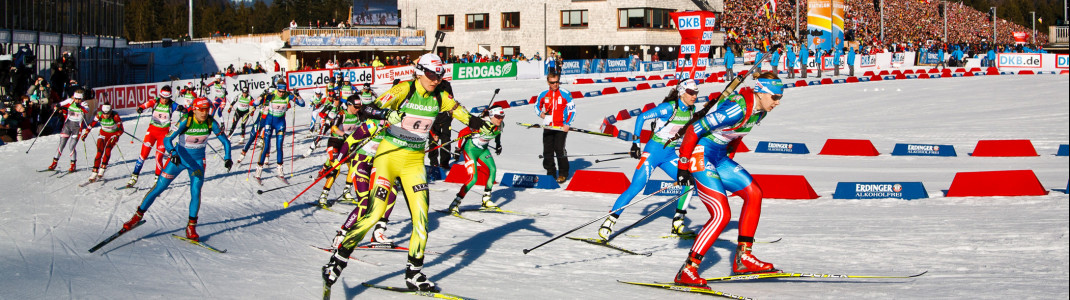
x,y
161,185
739,181
196,181
639,180
711,192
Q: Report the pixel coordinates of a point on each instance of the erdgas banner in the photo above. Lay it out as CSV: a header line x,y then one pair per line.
x,y
484,70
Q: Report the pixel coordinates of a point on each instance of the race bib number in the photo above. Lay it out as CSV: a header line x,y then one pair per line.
x,y
413,128
195,141
278,108
241,106
161,118
669,131
73,115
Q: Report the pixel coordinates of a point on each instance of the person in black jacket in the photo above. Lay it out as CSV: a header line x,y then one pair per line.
x,y
441,134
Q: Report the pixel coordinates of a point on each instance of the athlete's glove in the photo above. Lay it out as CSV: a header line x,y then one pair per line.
x,y
683,177
227,164
175,159
182,109
636,153
394,117
498,149
139,110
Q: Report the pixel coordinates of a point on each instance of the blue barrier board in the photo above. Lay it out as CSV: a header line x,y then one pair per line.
x,y
923,150
779,147
529,181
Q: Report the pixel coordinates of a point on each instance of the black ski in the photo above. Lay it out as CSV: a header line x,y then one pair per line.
x,y
459,216
603,243
498,210
114,236
202,244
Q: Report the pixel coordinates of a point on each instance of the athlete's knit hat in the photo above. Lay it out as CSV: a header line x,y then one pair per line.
x,y
687,84
430,63
201,103
769,86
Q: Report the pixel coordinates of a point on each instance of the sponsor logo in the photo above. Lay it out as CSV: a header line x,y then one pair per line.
x,y
687,49
923,149
420,107
381,192
867,61
484,71
711,22
419,188
689,22
704,49
1019,60
780,147
703,62
879,190
1062,61
616,63
707,35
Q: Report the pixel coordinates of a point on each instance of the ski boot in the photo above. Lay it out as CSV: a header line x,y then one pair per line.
x,y
134,220
487,204
415,279
379,234
453,206
93,175
100,174
688,274
74,166
259,171
334,268
678,227
347,195
191,230
241,157
607,227
746,263
323,198
281,173
52,167
133,180
310,150
339,237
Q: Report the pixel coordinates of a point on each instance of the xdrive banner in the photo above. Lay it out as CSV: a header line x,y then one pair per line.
x,y
484,70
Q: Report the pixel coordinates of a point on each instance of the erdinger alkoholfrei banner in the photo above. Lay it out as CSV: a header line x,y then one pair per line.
x,y
696,32
824,20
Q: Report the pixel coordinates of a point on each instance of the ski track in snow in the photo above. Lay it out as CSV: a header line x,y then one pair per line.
x,y
974,247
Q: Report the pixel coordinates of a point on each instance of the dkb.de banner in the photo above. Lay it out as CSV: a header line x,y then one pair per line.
x,y
484,70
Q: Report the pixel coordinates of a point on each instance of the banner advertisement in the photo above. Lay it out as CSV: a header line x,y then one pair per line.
x,y
926,58
1019,60
255,83
694,44
749,57
923,150
484,70
1062,61
867,61
125,96
617,65
880,190
572,67
304,40
824,27
300,80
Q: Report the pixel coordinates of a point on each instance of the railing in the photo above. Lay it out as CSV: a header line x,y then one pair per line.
x,y
249,38
354,32
1058,35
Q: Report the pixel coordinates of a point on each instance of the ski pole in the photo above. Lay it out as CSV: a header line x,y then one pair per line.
x,y
335,166
293,134
484,113
40,131
121,153
259,131
605,160
449,142
136,124
133,137
596,219
651,214
603,154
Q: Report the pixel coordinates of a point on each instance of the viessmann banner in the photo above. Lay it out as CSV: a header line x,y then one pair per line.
x,y
484,70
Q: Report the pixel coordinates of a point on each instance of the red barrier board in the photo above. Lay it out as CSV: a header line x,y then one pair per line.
x,y
609,90
502,104
996,183
459,175
784,187
623,115
598,182
643,86
1004,148
584,80
577,94
849,148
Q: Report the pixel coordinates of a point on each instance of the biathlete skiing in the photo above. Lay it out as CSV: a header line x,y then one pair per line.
x,y
187,154
275,126
475,148
410,108
74,110
111,128
669,117
161,109
704,160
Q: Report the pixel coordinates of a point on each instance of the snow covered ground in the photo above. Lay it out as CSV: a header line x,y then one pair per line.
x,y
974,247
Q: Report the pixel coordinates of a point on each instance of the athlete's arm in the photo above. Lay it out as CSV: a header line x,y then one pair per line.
x,y
663,110
218,130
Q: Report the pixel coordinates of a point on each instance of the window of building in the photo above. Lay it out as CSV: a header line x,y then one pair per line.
x,y
657,18
574,18
510,51
511,20
478,21
445,22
